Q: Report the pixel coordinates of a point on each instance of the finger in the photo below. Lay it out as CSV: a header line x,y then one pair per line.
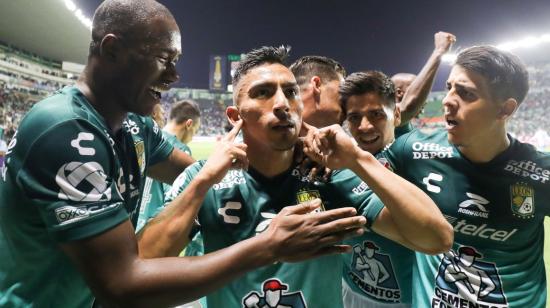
x,y
303,208
335,214
331,250
241,146
313,173
234,131
328,173
338,237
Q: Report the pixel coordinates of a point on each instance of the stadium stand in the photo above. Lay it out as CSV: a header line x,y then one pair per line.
x,y
26,78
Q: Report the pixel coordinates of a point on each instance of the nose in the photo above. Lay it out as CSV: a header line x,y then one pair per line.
x,y
171,73
280,103
449,101
365,125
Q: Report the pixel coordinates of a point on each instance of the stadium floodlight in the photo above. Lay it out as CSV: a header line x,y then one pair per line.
x,y
71,6
528,42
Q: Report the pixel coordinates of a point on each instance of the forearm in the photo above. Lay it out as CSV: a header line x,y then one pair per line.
x,y
415,216
417,93
168,233
168,170
167,282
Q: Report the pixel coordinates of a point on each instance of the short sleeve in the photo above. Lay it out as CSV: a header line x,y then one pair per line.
x,y
158,148
70,175
352,191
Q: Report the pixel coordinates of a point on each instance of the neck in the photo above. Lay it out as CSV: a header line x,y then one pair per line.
x,y
99,98
266,161
175,129
485,149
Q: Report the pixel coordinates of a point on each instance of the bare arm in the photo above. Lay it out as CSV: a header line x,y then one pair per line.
x,y
117,275
167,171
168,233
410,217
417,93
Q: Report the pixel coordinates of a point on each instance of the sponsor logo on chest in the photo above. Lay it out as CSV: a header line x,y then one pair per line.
x,y
431,150
483,231
528,169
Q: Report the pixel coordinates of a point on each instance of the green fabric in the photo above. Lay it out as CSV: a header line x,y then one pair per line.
x,y
152,201
385,276
497,211
64,181
243,204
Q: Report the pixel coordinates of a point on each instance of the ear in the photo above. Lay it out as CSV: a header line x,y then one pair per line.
x,y
188,123
507,109
109,46
233,114
396,116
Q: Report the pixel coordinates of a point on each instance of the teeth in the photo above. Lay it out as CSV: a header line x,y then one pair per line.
x,y
158,89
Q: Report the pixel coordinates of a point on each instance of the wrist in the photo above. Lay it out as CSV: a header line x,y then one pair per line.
x,y
363,158
267,255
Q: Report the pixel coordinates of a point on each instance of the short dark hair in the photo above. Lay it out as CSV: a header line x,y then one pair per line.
x,y
309,66
506,75
124,18
184,110
257,57
368,82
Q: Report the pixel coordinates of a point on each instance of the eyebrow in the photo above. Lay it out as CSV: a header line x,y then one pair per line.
x,y
468,88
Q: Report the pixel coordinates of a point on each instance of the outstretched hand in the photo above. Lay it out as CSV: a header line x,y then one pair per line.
x,y
299,233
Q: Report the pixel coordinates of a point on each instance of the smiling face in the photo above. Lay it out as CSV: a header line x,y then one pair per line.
x,y
371,123
471,115
148,67
269,103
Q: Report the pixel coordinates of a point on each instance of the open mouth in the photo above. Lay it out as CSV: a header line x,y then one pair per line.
x,y
157,91
451,123
369,140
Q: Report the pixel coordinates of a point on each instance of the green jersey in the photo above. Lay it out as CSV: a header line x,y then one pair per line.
x,y
67,178
153,191
378,270
497,211
243,204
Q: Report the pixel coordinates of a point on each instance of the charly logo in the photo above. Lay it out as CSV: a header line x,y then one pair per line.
x,y
83,150
373,273
522,200
274,295
80,181
308,195
230,206
464,280
430,180
475,206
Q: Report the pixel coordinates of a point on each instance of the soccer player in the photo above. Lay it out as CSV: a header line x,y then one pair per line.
x,y
243,203
319,79
369,104
183,124
69,194
412,90
492,188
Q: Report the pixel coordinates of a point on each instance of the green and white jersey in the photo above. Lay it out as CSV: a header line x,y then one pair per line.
x,y
67,178
497,211
378,270
243,204
152,199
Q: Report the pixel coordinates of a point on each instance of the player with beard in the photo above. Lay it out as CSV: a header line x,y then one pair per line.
x,y
242,204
